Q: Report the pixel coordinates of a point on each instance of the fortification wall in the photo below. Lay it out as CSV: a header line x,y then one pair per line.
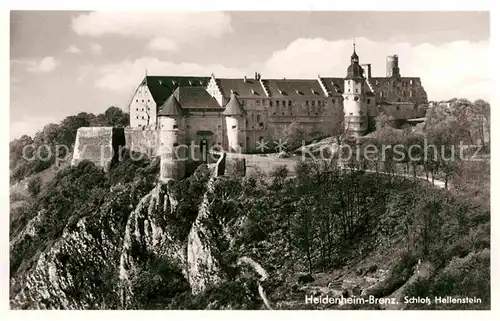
x,y
143,141
93,144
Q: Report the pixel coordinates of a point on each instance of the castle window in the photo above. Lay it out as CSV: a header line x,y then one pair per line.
x,y
283,103
349,90
137,109
261,124
148,100
411,93
271,103
368,101
307,102
137,100
350,114
289,103
258,118
348,82
175,126
218,126
376,82
357,90
381,94
188,126
234,127
142,117
397,107
143,100
137,117
176,144
282,113
312,103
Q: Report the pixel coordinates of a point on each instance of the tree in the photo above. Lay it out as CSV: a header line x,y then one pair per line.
x,y
482,119
34,186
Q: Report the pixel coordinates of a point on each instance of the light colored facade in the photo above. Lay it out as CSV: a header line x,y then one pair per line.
x,y
238,113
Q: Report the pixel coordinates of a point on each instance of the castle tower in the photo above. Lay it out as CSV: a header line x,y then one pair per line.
x,y
392,66
235,123
173,152
354,101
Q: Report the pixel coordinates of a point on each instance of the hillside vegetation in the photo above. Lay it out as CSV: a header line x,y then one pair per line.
x,y
86,238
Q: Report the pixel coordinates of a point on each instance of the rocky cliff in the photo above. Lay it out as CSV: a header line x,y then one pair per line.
x,y
69,273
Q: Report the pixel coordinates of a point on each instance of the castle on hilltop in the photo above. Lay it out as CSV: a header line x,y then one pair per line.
x,y
208,108
236,114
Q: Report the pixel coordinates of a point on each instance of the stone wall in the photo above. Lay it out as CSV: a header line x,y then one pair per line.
x,y
143,141
93,144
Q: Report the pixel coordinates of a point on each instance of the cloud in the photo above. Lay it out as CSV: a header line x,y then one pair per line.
x,y
73,49
163,29
163,44
125,76
44,65
455,69
96,48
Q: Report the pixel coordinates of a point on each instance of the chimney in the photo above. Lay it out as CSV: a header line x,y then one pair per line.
x,y
256,76
244,78
367,70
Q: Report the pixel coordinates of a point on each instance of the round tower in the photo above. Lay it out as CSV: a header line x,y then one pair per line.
x,y
392,66
355,115
235,122
173,152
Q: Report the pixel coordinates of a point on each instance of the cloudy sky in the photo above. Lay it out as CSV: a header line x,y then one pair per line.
x,y
66,62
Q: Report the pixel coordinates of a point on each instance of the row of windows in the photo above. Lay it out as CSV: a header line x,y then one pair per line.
x,y
405,83
137,100
284,103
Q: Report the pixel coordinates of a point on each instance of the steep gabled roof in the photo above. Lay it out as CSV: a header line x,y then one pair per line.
x,y
195,97
335,86
249,88
171,107
161,87
295,88
233,107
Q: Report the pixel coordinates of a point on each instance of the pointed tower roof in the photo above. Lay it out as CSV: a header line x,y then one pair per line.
x,y
171,107
354,56
355,71
233,107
